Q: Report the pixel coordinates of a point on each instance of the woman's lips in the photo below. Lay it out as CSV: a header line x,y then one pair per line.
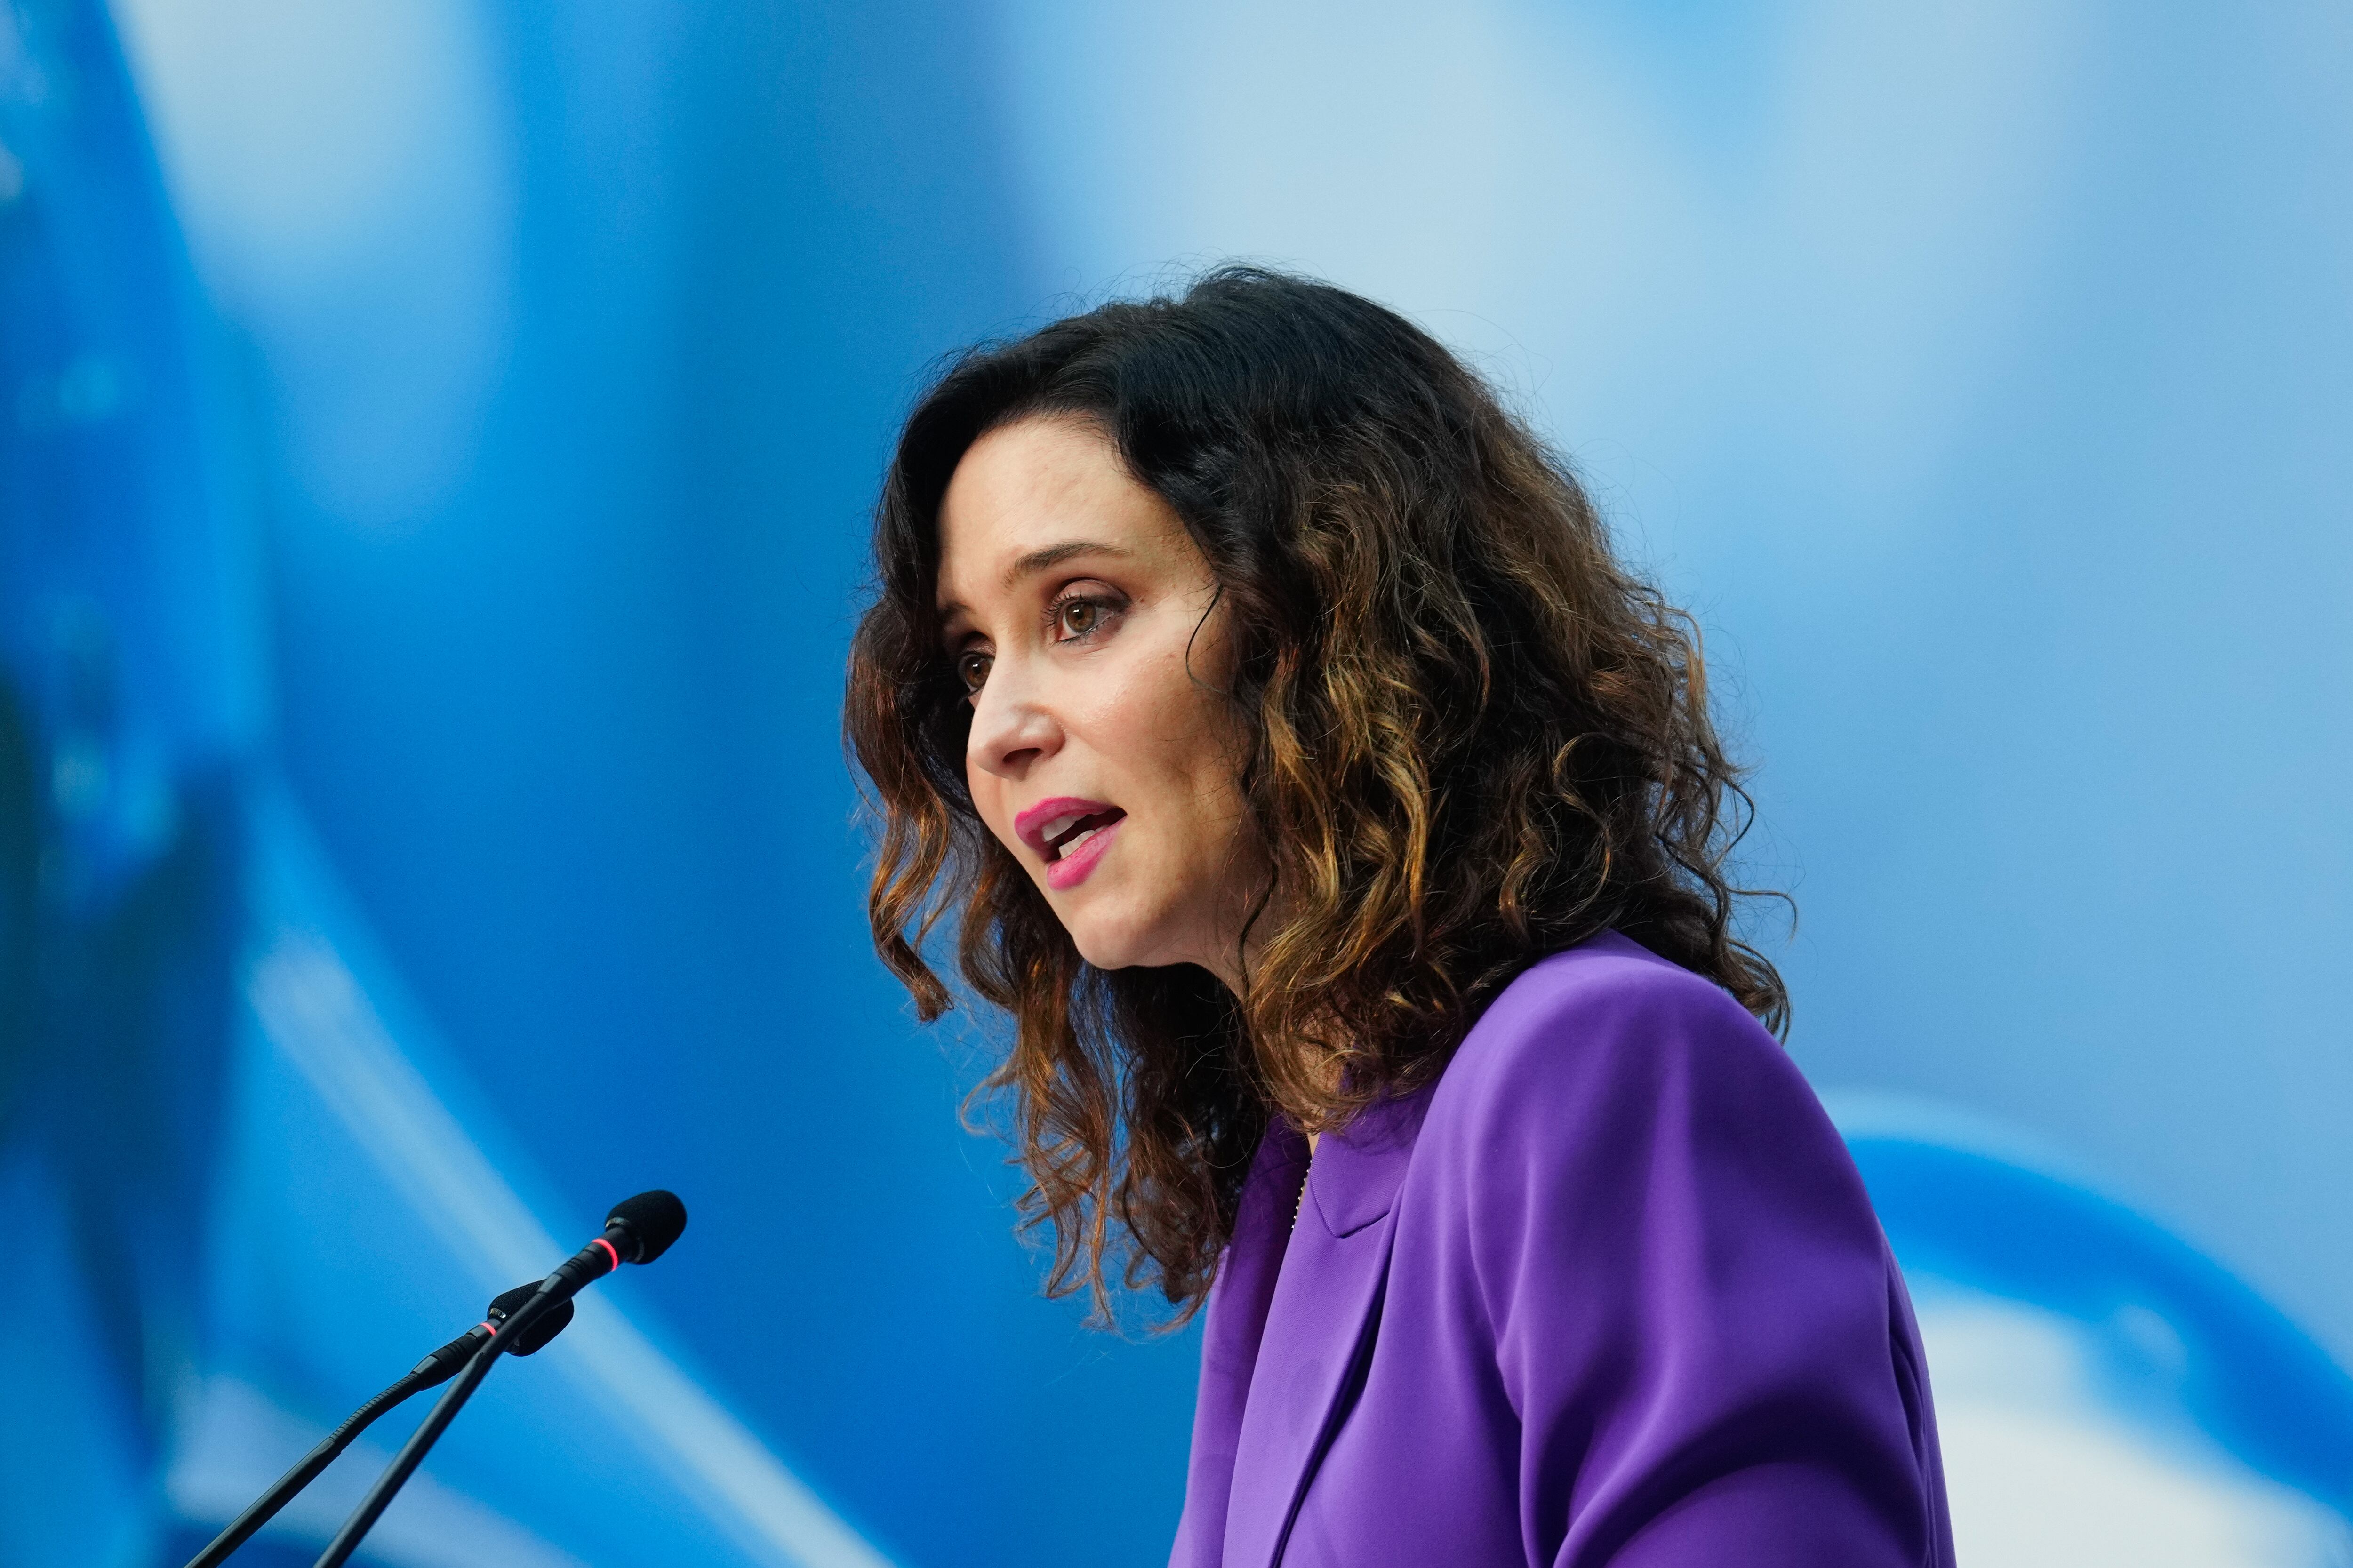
x,y
1068,834
1081,848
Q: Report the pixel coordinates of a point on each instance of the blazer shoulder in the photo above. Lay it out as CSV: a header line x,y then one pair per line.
x,y
1607,1021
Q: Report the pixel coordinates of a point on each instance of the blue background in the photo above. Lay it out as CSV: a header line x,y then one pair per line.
x,y
1980,375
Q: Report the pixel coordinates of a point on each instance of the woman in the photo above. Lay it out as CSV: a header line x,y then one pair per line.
x,y
1342,827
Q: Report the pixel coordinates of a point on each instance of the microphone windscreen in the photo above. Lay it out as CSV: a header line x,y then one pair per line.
x,y
540,1329
653,1219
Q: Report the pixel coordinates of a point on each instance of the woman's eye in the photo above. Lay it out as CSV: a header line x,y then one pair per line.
x,y
1077,617
972,668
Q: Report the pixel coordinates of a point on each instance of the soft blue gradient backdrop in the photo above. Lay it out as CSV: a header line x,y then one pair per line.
x,y
1980,374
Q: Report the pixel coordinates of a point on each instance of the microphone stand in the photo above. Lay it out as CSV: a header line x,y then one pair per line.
x,y
593,1261
432,1372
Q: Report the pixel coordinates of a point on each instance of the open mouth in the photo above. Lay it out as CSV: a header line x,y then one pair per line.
x,y
1065,834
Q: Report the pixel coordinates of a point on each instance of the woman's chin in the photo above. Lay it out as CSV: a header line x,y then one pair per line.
x,y
1103,955
1117,944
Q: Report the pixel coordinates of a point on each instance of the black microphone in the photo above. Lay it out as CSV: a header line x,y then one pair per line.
x,y
433,1371
636,1230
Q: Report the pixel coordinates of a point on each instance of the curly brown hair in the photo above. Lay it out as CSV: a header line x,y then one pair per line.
x,y
1472,737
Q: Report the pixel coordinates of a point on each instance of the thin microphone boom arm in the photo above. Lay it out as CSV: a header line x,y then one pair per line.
x,y
432,1372
638,1231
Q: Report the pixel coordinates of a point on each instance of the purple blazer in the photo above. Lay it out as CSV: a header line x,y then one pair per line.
x,y
1610,1291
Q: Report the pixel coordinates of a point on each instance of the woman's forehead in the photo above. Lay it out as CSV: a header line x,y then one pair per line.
x,y
1040,494
1024,482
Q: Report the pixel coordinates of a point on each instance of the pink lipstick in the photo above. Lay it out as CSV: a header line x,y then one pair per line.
x,y
1070,835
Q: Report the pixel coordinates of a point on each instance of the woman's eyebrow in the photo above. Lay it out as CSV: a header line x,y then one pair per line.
x,y
1030,563
1037,561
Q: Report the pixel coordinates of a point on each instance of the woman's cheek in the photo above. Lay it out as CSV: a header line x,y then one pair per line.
x,y
988,799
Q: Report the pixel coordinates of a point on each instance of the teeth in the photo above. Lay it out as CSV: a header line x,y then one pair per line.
x,y
1066,832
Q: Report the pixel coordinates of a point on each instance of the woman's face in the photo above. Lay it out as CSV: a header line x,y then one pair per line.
x,y
1084,624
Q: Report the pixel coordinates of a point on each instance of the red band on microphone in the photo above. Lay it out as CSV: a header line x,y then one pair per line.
x,y
607,1246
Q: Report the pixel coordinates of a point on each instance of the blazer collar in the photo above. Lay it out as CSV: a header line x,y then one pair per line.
x,y
1320,1322
1358,1170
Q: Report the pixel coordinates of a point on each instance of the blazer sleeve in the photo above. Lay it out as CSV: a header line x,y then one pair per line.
x,y
1696,1321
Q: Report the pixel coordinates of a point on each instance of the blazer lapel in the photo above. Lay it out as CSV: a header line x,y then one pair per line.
x,y
1320,1325
1235,1320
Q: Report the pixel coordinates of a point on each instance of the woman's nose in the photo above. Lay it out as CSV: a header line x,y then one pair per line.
x,y
1012,727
